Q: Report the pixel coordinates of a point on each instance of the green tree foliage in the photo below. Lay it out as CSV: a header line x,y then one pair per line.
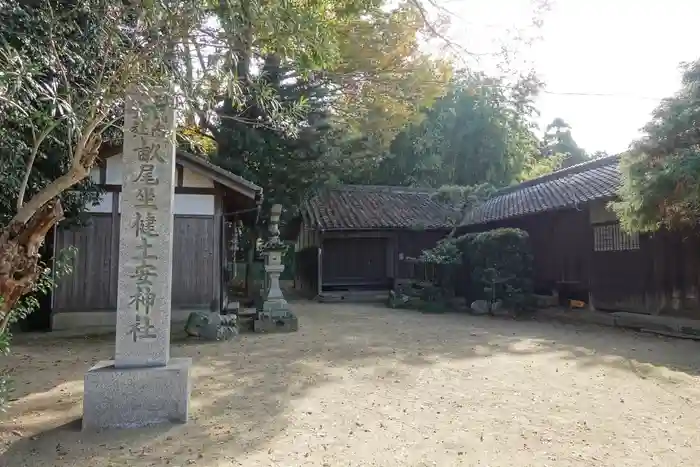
x,y
661,171
481,131
445,251
65,67
25,37
599,154
385,83
463,198
536,165
501,265
470,195
219,61
559,143
335,119
285,162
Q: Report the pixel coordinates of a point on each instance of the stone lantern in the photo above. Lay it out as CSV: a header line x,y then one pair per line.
x,y
275,315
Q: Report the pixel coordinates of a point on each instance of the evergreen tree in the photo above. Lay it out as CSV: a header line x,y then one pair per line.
x,y
661,171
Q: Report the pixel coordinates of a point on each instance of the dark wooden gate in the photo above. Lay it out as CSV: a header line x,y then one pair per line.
x,y
355,262
194,240
92,285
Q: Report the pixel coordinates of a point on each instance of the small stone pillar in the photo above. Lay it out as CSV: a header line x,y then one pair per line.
x,y
275,315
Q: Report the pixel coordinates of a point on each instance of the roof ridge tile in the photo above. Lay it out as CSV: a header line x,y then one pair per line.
x,y
375,207
591,180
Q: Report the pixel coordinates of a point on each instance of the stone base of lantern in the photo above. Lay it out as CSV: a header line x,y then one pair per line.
x,y
136,397
276,316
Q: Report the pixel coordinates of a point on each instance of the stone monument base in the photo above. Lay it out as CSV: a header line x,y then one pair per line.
x,y
136,397
275,316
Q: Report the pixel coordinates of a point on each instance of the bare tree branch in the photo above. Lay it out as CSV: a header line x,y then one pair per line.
x,y
86,151
30,160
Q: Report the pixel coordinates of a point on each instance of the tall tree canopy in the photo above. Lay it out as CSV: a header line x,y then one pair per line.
x,y
285,162
558,141
375,84
661,171
385,82
481,131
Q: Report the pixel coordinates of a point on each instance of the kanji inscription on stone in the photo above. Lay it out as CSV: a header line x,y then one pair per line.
x,y
145,249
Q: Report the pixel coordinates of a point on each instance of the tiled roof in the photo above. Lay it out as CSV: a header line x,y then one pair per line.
x,y
565,188
357,207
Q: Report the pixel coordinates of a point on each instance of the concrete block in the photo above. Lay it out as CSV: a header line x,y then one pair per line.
x,y
136,397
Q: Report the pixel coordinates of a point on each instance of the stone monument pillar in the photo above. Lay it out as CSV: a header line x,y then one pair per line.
x,y
143,385
275,315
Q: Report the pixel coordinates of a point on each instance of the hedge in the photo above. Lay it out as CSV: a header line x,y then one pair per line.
x,y
500,266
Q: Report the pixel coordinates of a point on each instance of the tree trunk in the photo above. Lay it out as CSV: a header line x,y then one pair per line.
x,y
21,239
19,256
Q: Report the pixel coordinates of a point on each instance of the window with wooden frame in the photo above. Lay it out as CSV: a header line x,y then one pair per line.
x,y
611,237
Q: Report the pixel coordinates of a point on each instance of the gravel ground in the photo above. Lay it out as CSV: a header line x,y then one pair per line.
x,y
366,386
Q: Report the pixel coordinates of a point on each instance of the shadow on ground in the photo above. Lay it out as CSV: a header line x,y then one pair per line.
x,y
243,390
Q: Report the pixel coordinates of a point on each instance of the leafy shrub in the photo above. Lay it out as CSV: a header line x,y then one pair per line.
x,y
500,265
445,251
465,195
424,297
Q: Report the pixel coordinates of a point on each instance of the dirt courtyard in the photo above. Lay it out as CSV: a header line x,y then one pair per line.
x,y
369,386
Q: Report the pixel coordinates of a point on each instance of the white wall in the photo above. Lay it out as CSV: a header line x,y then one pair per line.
x,y
202,205
195,180
114,170
105,204
185,204
190,178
